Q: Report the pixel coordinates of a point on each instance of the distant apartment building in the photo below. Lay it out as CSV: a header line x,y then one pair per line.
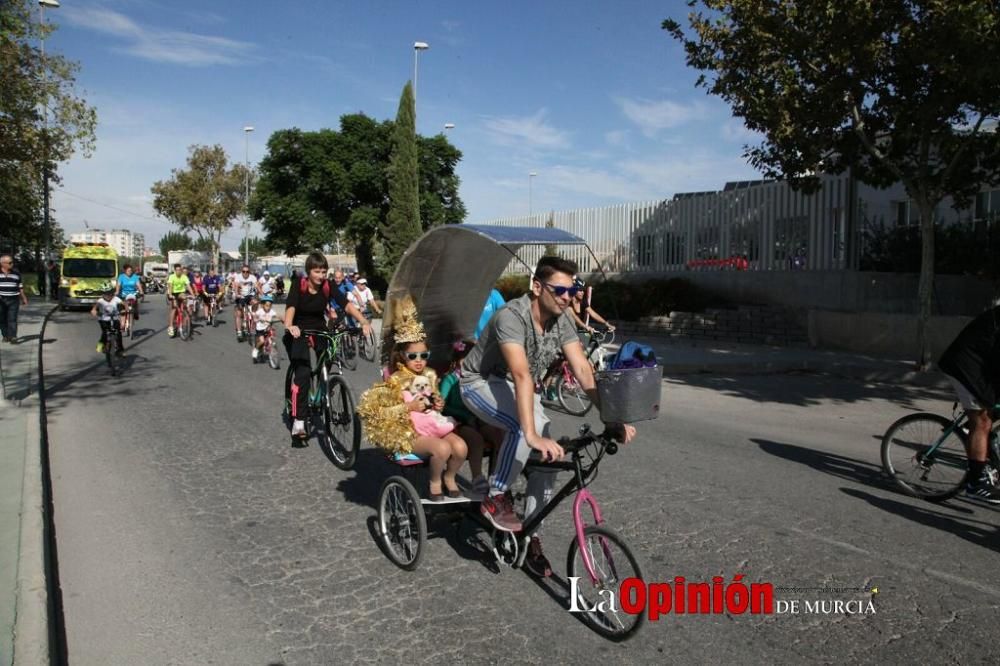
x,y
125,243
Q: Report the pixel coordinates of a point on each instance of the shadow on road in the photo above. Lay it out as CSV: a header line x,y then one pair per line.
x,y
829,463
975,531
811,389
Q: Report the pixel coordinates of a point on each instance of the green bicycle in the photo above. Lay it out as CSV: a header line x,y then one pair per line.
x,y
331,414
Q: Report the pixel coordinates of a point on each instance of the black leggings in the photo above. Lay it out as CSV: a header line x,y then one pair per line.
x,y
298,359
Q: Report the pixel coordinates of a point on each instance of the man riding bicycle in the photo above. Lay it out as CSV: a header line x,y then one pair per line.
x,y
245,287
972,363
129,288
213,289
178,288
498,386
364,298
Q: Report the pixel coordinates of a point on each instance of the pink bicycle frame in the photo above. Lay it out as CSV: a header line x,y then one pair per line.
x,y
583,495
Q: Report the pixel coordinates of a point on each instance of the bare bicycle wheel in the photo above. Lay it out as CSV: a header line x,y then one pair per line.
x,y
402,525
925,456
342,424
613,563
572,397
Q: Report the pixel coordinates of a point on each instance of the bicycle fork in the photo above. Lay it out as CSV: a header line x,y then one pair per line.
x,y
584,496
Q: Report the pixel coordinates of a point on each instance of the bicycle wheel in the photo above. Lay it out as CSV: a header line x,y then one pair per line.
x,y
572,397
185,327
111,352
907,458
342,424
401,522
613,563
273,356
348,351
367,347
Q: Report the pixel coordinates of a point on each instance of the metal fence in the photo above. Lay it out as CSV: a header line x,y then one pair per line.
x,y
757,225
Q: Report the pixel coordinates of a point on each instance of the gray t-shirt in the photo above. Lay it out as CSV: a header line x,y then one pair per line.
x,y
512,323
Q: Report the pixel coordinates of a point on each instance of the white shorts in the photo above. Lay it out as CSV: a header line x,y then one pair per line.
x,y
967,400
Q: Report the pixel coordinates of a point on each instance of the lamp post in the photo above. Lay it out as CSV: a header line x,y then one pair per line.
x,y
46,231
449,126
246,201
531,176
417,48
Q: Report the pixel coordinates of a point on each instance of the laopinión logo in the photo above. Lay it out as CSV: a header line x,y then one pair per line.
x,y
734,597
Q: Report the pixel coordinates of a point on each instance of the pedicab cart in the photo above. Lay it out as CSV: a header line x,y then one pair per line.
x,y
449,273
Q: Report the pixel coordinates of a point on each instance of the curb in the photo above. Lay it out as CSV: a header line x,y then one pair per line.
x,y
31,623
36,622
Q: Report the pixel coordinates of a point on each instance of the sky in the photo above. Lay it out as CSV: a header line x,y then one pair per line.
x,y
594,97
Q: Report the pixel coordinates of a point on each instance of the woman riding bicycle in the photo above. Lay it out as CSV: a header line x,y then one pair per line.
x,y
305,309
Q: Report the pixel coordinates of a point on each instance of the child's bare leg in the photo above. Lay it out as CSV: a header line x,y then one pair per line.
x,y
438,450
459,452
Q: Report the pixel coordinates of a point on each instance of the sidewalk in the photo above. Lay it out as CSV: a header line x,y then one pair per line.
x,y
24,626
680,356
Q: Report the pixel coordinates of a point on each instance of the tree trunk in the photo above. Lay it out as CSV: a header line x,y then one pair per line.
x,y
925,290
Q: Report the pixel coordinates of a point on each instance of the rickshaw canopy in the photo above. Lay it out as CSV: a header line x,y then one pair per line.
x,y
449,272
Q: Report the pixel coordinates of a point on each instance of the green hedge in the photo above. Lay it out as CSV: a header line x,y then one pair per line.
x,y
614,299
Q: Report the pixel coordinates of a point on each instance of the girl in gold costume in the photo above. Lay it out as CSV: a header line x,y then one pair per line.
x,y
386,414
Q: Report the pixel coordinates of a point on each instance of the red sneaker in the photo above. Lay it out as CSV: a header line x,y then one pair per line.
x,y
499,510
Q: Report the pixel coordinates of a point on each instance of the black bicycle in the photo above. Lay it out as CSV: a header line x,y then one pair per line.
x,y
925,453
331,416
111,348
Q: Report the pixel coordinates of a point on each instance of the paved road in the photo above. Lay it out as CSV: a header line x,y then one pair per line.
x,y
189,531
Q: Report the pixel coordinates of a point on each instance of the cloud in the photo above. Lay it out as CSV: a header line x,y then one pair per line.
x,y
528,131
734,130
168,46
616,137
652,116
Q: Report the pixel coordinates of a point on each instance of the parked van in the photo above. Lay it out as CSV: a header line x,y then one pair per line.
x,y
87,269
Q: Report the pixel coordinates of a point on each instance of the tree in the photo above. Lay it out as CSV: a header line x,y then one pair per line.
x,y
316,188
402,224
174,240
204,198
551,250
259,246
896,91
28,84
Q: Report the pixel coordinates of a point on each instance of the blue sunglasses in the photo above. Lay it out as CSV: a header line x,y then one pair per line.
x,y
562,291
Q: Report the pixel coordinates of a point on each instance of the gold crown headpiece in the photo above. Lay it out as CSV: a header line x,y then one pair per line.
x,y
406,327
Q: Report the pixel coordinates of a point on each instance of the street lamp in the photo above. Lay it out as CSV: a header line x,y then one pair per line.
x,y
449,126
417,48
246,201
46,231
530,176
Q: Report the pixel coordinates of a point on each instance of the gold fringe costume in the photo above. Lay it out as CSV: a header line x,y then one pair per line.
x,y
386,418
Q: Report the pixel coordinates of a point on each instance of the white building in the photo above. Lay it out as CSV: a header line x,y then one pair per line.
x,y
124,242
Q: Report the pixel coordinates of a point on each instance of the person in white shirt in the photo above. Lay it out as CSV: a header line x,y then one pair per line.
x,y
263,317
266,284
245,286
363,297
108,309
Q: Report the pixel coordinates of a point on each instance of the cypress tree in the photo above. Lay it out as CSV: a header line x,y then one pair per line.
x,y
402,225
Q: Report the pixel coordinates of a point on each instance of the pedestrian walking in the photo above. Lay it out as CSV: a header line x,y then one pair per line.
x,y
11,298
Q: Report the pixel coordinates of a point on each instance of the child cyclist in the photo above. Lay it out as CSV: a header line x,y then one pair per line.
x,y
396,424
107,309
263,317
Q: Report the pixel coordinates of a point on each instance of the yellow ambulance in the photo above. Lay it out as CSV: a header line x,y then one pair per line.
x,y
87,269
